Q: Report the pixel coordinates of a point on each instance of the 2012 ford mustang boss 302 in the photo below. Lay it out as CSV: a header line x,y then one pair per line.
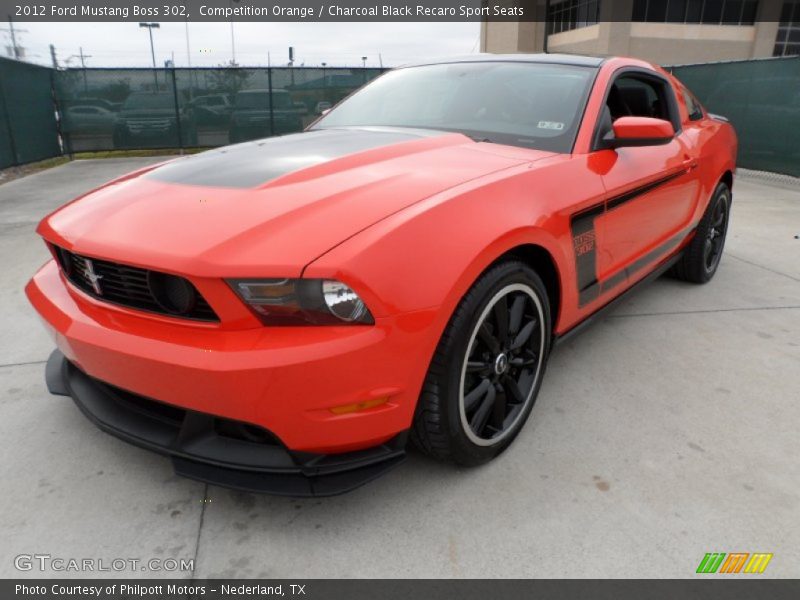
x,y
282,315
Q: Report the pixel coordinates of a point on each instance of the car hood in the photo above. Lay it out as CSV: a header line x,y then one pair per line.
x,y
270,207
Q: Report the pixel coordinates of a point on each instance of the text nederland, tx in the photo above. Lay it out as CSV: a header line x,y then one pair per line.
x,y
293,589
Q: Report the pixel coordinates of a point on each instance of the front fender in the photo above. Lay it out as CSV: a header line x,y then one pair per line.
x,y
428,255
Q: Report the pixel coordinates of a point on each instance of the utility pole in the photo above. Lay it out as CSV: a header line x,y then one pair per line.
x,y
53,56
17,51
380,60
13,38
83,68
83,57
150,27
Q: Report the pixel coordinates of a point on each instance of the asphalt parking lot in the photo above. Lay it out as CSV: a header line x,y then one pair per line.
x,y
666,431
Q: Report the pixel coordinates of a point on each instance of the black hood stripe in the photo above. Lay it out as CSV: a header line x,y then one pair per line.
x,y
253,164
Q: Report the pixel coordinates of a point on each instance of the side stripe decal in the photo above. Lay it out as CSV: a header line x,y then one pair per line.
x,y
585,246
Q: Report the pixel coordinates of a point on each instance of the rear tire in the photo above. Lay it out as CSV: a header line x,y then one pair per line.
x,y
485,376
701,257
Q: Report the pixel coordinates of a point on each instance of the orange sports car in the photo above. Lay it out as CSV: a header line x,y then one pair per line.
x,y
283,315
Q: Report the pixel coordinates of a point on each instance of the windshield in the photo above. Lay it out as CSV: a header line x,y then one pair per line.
x,y
261,100
150,101
521,104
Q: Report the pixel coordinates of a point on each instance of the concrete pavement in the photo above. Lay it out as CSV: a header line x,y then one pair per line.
x,y
666,431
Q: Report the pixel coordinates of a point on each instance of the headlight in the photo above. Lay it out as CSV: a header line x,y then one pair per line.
x,y
302,301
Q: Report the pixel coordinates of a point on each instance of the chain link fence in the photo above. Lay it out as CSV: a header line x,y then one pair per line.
x,y
45,113
109,109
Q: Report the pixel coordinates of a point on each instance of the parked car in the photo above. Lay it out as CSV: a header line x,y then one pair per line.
x,y
300,108
283,316
149,119
88,120
210,110
253,117
99,102
322,106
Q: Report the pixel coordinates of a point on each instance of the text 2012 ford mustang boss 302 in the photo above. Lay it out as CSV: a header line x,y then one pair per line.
x,y
283,315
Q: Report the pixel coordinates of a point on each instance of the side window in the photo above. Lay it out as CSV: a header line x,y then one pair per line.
x,y
692,105
638,97
635,94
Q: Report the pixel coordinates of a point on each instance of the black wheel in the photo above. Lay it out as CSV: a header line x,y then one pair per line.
x,y
486,373
701,257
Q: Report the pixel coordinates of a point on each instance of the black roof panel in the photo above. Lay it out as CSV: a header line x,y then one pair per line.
x,y
553,59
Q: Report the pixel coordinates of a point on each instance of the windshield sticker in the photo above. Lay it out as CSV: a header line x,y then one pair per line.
x,y
551,125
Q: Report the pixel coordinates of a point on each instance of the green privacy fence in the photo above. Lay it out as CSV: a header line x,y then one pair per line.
x,y
107,109
28,124
45,113
762,100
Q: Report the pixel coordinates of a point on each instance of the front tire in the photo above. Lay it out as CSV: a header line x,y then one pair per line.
x,y
488,367
701,257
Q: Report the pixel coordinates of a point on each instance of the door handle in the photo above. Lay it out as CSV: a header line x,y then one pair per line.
x,y
690,164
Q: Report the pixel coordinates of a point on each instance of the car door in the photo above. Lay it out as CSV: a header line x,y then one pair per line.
x,y
651,190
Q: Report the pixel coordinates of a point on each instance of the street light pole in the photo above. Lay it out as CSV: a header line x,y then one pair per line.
x,y
233,40
150,27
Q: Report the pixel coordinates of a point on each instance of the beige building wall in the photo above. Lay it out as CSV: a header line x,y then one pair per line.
x,y
661,43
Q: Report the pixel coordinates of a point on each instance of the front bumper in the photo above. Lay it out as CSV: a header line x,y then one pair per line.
x,y
288,381
215,450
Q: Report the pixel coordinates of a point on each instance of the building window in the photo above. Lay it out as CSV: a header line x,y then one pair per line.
x,y
709,12
565,15
788,41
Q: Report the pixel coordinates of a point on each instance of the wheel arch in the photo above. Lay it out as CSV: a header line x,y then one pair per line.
x,y
540,260
727,179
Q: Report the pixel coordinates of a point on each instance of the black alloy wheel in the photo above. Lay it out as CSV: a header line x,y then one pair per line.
x,y
501,364
701,257
488,367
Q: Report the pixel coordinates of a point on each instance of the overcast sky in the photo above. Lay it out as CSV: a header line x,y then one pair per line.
x,y
124,44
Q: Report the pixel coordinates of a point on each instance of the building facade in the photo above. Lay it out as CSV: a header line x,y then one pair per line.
x,y
666,32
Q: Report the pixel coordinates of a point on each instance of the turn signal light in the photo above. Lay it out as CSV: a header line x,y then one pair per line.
x,y
358,406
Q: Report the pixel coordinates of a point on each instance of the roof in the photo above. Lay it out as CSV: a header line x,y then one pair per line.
x,y
551,59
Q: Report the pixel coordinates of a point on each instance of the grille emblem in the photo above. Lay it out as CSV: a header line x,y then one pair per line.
x,y
93,277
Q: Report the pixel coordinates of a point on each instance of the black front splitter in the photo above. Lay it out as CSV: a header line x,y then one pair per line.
x,y
201,446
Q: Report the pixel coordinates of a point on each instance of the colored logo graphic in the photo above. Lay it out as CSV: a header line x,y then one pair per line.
x,y
735,562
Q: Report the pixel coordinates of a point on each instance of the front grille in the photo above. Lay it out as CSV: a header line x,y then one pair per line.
x,y
133,287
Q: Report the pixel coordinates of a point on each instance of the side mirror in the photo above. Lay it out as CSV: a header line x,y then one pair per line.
x,y
640,131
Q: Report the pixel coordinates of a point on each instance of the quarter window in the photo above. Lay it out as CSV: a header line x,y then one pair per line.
x,y
692,105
